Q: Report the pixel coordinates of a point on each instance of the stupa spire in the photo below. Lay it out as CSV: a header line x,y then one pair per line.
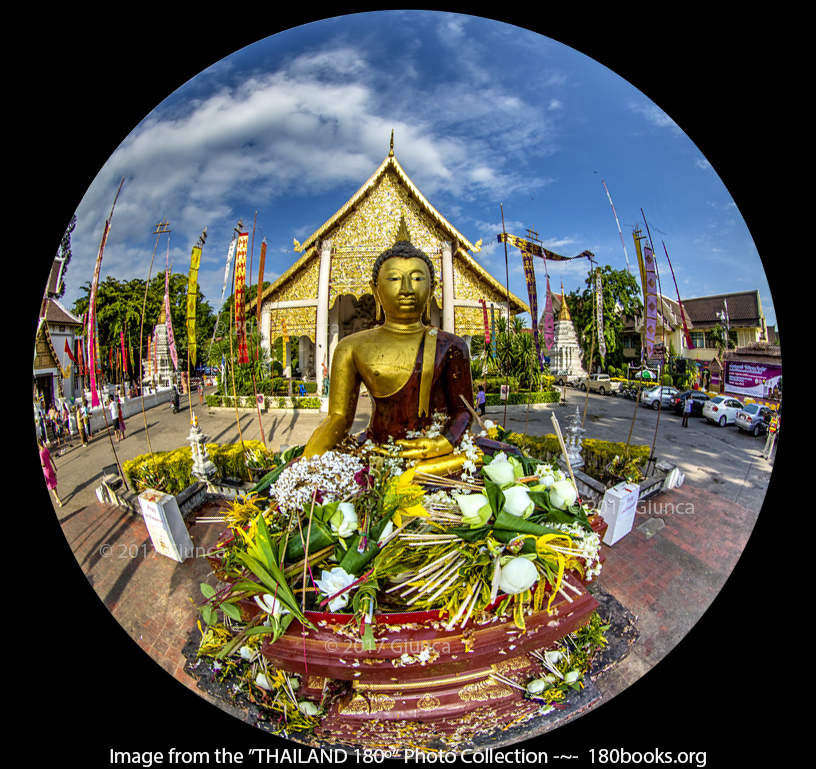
x,y
564,314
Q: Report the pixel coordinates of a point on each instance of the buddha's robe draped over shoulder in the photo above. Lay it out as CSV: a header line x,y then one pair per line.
x,y
398,414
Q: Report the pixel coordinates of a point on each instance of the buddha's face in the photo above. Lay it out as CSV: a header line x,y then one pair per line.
x,y
403,288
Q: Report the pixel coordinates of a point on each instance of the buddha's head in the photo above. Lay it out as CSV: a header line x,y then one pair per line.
x,y
402,282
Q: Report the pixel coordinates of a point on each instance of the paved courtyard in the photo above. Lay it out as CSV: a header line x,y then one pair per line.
x,y
123,616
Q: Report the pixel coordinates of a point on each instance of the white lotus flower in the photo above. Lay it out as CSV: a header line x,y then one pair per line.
x,y
517,502
517,575
500,471
537,685
332,582
261,681
563,494
308,708
271,605
475,508
572,677
246,653
344,521
553,657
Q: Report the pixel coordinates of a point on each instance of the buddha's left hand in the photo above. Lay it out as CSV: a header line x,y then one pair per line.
x,y
424,448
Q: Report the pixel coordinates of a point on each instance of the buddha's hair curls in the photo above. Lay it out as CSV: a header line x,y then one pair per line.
x,y
403,249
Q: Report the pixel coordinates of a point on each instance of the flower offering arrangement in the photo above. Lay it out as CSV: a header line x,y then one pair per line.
x,y
356,544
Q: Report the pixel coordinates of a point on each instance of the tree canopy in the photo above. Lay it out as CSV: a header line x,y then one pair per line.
x,y
621,299
119,308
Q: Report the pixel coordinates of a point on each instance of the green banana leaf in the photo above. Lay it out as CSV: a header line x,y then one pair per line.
x,y
320,536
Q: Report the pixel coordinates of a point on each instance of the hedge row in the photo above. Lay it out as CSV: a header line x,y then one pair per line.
x,y
171,471
516,399
270,402
596,453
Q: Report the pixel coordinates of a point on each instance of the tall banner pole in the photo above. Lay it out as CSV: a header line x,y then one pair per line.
x,y
161,228
92,299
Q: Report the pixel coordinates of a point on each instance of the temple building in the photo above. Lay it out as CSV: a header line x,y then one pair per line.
x,y
326,295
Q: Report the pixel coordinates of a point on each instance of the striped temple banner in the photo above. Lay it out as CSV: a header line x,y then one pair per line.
x,y
192,295
239,294
650,290
599,314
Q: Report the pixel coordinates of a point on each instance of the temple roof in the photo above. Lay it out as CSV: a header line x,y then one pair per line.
x,y
390,166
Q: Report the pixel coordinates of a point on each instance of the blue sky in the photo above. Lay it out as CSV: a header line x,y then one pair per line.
x,y
484,113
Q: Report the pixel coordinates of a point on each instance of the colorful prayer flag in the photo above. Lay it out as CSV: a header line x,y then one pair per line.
x,y
529,274
239,292
192,295
599,314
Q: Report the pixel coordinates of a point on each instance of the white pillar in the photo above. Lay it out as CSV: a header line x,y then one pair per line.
x,y
447,288
322,319
287,355
434,312
304,355
334,327
266,327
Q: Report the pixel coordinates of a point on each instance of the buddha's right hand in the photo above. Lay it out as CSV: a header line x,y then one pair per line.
x,y
424,448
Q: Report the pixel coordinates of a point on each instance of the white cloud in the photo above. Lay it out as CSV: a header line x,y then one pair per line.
x,y
655,116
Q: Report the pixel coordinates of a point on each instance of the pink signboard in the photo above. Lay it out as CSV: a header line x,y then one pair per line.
x,y
759,380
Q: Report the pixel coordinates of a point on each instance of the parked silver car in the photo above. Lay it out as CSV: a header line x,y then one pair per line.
x,y
751,418
656,397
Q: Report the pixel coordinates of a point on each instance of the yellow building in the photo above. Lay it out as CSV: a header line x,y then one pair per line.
x,y
326,295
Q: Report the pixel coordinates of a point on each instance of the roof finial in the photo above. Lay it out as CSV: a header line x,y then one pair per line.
x,y
391,151
402,232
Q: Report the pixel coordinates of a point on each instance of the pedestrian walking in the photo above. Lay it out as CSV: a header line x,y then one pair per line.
x,y
687,411
481,400
113,410
773,434
86,420
121,419
80,426
49,469
201,391
66,422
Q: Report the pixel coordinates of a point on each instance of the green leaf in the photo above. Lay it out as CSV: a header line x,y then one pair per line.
x,y
209,615
207,590
260,630
231,610
494,494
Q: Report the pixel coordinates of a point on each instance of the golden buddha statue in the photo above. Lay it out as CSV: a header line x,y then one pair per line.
x,y
411,370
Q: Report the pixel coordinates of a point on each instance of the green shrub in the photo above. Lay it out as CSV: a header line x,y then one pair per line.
x,y
517,399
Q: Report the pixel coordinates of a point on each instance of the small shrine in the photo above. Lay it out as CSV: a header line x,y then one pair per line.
x,y
158,366
566,356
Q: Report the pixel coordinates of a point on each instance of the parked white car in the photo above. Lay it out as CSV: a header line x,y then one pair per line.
x,y
722,409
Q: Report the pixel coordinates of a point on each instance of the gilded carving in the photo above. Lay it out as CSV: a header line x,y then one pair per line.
x,y
316,682
359,704
517,663
485,690
468,321
356,706
428,702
